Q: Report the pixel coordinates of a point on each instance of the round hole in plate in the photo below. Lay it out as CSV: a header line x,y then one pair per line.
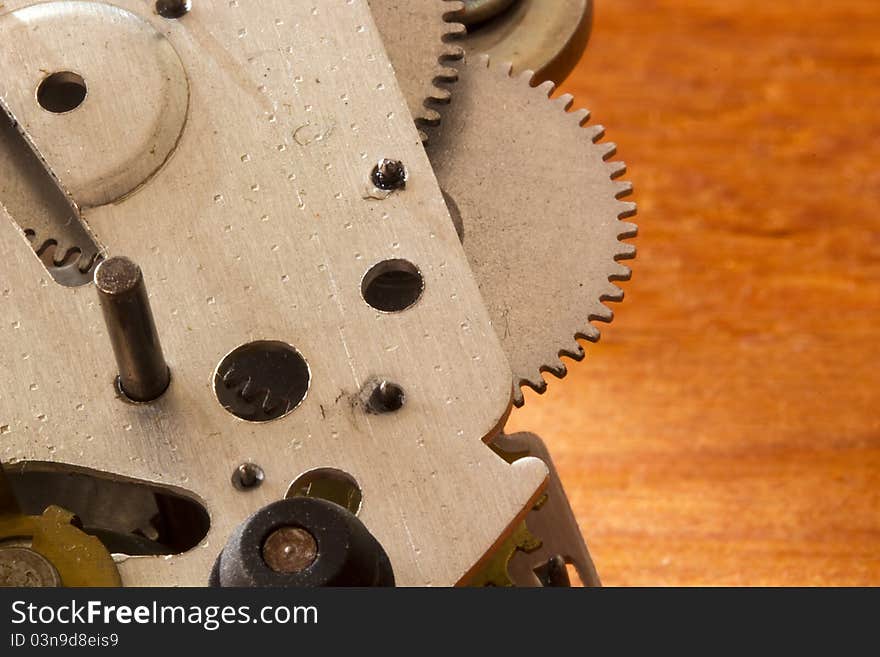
x,y
392,285
328,484
173,8
62,92
262,381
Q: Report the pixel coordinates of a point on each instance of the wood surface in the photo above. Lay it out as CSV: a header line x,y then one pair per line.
x,y
726,430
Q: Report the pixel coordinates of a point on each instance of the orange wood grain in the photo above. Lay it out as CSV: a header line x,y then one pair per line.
x,y
726,430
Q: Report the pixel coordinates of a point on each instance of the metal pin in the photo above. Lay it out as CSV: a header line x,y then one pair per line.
x,y
143,372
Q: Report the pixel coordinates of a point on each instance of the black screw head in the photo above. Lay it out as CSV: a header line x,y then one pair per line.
x,y
389,175
386,397
247,476
173,8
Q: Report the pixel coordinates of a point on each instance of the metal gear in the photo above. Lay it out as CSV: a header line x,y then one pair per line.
x,y
540,211
417,38
545,37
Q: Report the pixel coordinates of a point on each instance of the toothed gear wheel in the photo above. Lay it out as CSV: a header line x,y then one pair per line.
x,y
540,214
418,42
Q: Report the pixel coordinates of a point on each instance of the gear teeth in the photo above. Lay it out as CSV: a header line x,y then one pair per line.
x,y
612,293
425,83
430,118
608,149
547,87
617,272
624,188
574,351
594,132
505,69
442,95
565,101
616,169
589,333
597,310
606,315
620,272
628,209
628,230
581,116
454,7
557,369
627,251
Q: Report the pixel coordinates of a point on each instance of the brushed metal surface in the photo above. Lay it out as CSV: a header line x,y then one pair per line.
x,y
261,225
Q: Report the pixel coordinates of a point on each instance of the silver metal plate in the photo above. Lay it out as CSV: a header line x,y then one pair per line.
x,y
259,226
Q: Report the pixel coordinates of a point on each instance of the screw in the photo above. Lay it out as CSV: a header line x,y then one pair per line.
x,y
389,175
386,397
143,372
247,476
173,8
290,550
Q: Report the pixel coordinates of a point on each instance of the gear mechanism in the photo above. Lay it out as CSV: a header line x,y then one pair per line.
x,y
420,44
540,211
537,204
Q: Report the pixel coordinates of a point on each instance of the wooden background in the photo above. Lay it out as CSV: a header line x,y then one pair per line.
x,y
726,430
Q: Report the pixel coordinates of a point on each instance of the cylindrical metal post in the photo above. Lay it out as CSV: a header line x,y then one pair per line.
x,y
143,372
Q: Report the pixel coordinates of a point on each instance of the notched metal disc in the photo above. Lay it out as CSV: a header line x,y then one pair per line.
x,y
419,43
540,214
537,35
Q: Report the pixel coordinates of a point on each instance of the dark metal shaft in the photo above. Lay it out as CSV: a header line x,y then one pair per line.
x,y
143,372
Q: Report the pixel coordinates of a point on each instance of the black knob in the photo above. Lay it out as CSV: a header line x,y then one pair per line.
x,y
302,542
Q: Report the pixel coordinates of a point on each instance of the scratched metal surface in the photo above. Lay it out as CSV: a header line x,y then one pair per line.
x,y
260,225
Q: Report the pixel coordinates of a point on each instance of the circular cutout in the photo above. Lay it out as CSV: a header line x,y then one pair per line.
x,y
62,92
262,381
392,285
328,484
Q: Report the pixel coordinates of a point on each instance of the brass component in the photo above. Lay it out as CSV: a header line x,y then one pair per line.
x,y
230,152
80,559
552,519
495,571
